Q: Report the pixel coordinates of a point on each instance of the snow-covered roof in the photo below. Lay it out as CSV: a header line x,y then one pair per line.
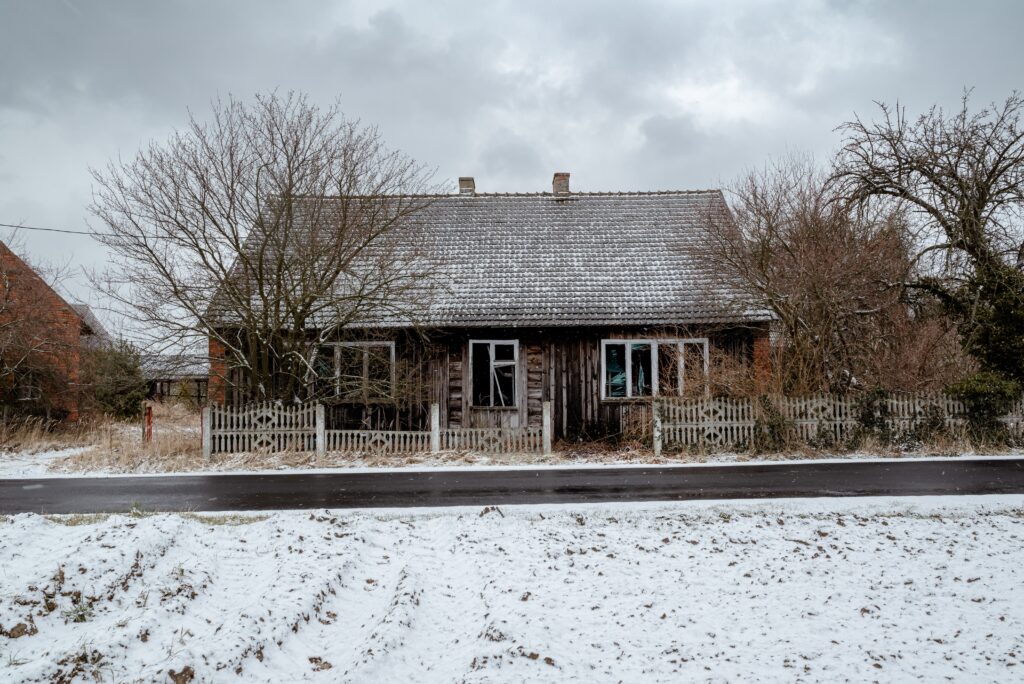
x,y
572,259
96,335
174,366
578,259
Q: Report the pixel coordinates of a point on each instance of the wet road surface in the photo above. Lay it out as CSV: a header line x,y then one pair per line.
x,y
506,487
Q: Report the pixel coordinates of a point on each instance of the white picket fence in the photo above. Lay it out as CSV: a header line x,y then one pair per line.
x,y
493,440
259,427
302,427
726,422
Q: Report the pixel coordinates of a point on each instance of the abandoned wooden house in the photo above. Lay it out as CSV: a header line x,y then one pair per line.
x,y
596,302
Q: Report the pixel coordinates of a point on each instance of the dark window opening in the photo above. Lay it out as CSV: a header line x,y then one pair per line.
x,y
378,372
643,381
493,373
615,370
668,370
695,375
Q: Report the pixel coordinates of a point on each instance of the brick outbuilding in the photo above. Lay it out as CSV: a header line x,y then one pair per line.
x,y
41,340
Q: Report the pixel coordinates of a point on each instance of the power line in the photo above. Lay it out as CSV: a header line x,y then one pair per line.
x,y
56,230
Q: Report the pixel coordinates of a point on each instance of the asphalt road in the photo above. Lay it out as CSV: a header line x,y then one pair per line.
x,y
490,487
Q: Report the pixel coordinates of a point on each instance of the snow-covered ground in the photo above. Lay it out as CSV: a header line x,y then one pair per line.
x,y
62,462
33,464
814,590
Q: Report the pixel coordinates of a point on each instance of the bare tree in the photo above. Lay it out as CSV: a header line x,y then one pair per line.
x,y
273,228
825,272
960,177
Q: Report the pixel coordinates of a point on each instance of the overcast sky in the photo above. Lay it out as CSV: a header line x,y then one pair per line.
x,y
624,95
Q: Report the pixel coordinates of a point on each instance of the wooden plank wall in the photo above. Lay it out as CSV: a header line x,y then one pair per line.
x,y
561,366
558,365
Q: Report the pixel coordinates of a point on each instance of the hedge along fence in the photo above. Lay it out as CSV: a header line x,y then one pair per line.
x,y
303,427
717,423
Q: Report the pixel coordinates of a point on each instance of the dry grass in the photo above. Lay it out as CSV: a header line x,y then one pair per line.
x,y
230,520
116,447
33,435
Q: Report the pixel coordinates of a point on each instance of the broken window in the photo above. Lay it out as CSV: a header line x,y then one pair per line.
x,y
493,372
644,368
694,368
324,371
379,367
642,383
628,370
350,371
670,365
615,370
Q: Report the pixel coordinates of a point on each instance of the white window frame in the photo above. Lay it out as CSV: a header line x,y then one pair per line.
x,y
361,344
678,342
28,389
490,390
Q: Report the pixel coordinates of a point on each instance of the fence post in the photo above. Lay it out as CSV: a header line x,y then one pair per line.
x,y
321,430
656,414
435,428
546,427
147,422
207,429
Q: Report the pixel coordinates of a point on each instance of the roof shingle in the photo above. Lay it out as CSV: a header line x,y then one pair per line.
x,y
579,259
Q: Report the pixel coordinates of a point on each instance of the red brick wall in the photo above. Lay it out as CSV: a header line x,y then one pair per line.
x,y
50,322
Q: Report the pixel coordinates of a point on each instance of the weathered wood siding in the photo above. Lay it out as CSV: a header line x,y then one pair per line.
x,y
564,367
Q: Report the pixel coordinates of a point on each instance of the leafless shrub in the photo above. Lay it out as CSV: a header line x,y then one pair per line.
x,y
826,271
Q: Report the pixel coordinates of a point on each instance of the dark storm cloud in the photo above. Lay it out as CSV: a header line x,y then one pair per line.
x,y
630,95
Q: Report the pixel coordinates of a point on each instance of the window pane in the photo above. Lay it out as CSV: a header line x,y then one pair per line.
x,y
641,367
615,370
351,369
481,352
504,352
668,369
379,371
504,386
323,372
323,364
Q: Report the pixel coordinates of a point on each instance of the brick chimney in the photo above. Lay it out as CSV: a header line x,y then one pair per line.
x,y
467,186
560,183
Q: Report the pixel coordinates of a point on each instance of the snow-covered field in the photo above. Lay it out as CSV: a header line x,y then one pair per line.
x,y
813,590
70,462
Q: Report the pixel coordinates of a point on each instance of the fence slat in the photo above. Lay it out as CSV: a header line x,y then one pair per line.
x,y
732,422
269,426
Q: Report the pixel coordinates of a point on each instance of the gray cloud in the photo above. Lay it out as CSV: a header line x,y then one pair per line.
x,y
624,95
